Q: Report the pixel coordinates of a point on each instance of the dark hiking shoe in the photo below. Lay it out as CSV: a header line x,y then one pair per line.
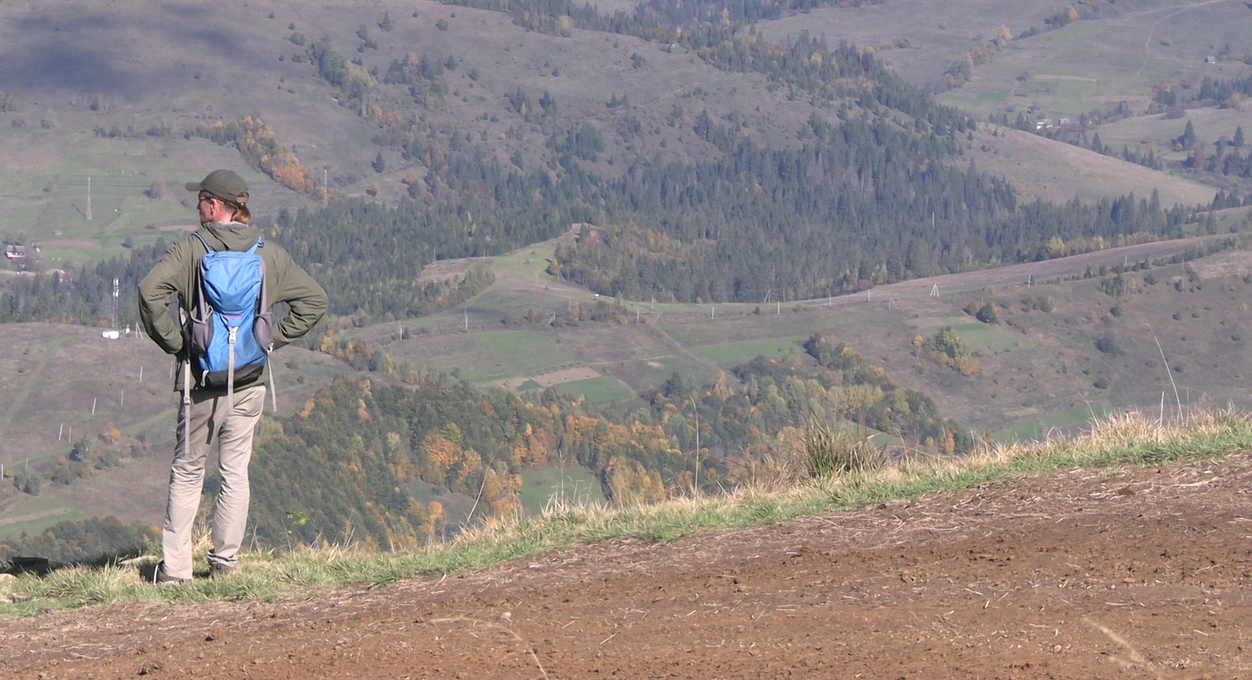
x,y
221,570
160,578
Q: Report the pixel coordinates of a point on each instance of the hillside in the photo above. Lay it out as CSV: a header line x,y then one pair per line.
x,y
1041,371
1046,361
109,92
1115,572
678,195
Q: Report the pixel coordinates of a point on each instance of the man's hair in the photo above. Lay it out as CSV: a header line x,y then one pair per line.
x,y
240,214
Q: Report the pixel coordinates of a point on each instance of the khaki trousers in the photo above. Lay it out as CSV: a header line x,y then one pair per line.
x,y
233,430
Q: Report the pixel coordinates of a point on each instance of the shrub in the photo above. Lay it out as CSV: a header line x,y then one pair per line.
x,y
987,313
832,451
27,482
947,348
1108,344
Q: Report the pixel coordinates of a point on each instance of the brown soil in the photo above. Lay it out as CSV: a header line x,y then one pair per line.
x,y
1119,573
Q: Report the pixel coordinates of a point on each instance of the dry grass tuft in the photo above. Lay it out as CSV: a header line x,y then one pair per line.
x,y
834,450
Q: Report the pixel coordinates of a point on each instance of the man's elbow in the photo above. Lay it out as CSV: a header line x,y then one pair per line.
x,y
317,309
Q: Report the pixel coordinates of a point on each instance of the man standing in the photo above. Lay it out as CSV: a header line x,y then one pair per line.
x,y
215,413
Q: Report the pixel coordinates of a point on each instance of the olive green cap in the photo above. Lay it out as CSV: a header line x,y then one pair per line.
x,y
223,184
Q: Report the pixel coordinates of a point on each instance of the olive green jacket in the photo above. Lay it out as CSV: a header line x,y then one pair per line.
x,y
285,282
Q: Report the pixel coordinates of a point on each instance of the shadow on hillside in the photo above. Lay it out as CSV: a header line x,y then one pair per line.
x,y
42,566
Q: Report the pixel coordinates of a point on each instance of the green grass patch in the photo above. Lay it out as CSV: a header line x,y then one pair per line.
x,y
576,485
1040,428
978,335
527,263
745,350
596,390
456,506
43,511
496,355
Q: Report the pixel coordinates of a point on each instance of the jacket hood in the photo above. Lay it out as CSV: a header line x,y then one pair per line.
x,y
229,235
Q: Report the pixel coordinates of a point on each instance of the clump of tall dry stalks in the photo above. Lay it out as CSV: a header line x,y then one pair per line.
x,y
840,449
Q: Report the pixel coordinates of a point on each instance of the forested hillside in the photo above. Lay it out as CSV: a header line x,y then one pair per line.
x,y
340,469
696,161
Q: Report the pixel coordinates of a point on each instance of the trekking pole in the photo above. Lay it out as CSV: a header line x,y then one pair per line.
x,y
186,408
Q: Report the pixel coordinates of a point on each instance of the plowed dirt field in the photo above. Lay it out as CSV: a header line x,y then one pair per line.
x,y
1116,573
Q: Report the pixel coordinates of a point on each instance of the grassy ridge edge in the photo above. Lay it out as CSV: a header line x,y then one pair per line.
x,y
1130,438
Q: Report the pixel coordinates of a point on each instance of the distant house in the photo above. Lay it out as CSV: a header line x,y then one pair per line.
x,y
15,252
1210,60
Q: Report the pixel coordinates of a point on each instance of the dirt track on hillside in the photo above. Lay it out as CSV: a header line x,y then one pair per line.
x,y
1124,573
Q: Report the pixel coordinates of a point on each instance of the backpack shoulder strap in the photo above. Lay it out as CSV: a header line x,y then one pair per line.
x,y
203,242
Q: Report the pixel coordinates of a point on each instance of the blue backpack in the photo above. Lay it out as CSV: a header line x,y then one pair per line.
x,y
231,329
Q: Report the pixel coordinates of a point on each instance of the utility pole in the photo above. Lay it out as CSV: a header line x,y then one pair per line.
x,y
88,199
324,189
694,407
115,291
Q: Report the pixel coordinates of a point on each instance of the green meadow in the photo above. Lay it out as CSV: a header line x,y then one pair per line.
x,y
745,350
38,513
575,485
978,335
495,355
1043,427
596,390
